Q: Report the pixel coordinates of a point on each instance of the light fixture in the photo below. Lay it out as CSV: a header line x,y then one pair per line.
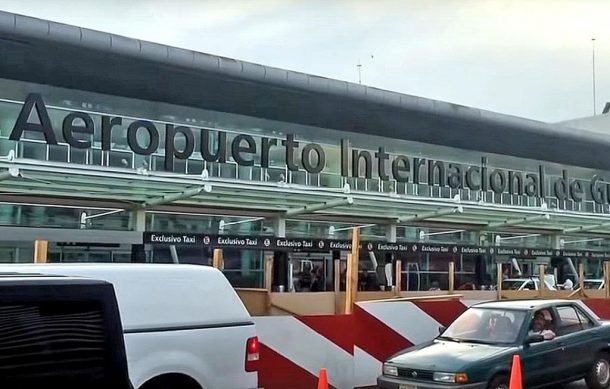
x,y
12,172
331,230
10,156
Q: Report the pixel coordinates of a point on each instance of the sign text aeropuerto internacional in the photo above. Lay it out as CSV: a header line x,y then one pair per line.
x,y
78,126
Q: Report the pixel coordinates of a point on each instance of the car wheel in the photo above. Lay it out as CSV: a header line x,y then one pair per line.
x,y
498,382
599,375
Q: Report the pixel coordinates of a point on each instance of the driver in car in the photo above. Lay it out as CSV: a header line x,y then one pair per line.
x,y
542,325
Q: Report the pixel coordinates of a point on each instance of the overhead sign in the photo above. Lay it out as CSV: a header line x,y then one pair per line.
x,y
245,242
78,129
412,247
326,245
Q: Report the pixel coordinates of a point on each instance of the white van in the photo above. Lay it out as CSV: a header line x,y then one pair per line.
x,y
184,325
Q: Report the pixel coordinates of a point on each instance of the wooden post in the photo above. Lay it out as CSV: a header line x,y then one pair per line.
x,y
218,261
581,279
398,278
269,273
337,274
451,277
500,278
337,280
607,279
355,264
269,280
349,299
351,285
541,285
40,251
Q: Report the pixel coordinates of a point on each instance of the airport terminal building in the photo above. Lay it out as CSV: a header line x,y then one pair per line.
x,y
115,149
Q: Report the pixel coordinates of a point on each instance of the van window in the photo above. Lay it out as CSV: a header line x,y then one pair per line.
x,y
530,285
48,343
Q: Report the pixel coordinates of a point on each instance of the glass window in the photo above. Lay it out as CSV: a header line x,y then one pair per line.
x,y
58,153
78,156
33,150
568,316
120,159
571,320
6,146
7,255
298,178
244,268
60,330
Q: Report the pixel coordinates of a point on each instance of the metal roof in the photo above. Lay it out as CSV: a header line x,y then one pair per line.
x,y
51,53
129,189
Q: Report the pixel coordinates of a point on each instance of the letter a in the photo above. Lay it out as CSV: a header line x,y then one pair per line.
x,y
34,100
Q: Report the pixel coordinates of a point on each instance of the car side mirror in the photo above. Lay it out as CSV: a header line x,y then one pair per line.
x,y
534,338
441,329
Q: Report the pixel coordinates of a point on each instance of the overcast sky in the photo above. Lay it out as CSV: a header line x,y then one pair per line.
x,y
526,58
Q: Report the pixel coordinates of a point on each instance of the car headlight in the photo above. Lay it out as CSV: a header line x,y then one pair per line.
x,y
390,370
458,378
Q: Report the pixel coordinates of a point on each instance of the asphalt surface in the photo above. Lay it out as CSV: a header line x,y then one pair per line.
x,y
577,385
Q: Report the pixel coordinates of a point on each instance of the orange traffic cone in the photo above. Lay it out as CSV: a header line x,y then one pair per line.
x,y
516,381
323,381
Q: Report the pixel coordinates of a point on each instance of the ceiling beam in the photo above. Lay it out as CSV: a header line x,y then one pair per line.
x,y
585,228
177,196
310,208
517,221
430,215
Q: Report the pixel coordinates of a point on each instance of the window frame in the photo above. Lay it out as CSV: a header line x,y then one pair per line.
x,y
580,313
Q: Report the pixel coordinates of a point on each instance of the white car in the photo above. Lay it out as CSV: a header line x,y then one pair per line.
x,y
184,326
524,284
593,283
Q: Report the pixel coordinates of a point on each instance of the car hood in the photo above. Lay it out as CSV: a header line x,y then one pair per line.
x,y
445,355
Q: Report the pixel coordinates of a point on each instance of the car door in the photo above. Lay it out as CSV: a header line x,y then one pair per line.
x,y
540,361
575,334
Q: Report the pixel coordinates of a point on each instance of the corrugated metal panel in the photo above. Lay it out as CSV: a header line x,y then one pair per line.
x,y
347,106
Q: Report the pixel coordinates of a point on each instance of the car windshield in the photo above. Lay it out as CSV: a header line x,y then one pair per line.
x,y
513,284
483,325
592,284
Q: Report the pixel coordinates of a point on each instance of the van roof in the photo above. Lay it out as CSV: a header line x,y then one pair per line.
x,y
155,296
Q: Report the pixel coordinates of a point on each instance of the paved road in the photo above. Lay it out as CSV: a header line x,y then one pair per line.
x,y
577,385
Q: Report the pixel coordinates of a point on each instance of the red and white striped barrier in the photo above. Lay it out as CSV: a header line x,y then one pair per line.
x,y
353,347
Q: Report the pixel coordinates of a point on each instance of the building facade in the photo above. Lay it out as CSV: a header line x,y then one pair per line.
x,y
113,149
